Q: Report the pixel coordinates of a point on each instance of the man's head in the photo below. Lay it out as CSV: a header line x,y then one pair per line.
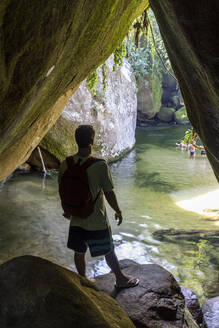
x,y
84,136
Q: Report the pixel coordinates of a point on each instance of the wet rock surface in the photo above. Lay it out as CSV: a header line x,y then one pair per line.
x,y
190,235
156,302
50,161
211,312
192,304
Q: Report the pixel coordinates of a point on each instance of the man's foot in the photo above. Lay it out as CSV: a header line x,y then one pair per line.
x,y
132,282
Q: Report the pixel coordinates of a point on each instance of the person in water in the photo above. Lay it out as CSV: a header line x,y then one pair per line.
x,y
193,146
95,231
192,149
182,145
203,153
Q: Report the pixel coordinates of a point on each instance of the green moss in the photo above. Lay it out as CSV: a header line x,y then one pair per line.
x,y
73,36
180,116
68,299
166,114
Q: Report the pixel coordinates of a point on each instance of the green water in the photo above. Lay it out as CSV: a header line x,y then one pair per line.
x,y
148,181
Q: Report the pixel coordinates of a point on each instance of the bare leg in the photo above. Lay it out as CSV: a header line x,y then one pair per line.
x,y
113,263
79,259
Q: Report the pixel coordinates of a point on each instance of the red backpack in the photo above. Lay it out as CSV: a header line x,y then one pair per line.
x,y
74,191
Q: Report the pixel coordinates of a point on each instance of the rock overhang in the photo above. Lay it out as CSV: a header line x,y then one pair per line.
x,y
46,50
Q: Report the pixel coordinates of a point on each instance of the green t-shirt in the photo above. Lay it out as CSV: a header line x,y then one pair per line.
x,y
100,179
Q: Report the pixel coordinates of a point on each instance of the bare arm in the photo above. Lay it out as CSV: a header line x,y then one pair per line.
x,y
197,147
112,200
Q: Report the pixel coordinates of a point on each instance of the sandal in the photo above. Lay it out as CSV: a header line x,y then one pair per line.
x,y
130,283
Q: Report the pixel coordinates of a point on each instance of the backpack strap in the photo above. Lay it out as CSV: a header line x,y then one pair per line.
x,y
70,162
90,161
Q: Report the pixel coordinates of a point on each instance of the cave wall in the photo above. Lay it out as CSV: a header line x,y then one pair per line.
x,y
46,49
190,31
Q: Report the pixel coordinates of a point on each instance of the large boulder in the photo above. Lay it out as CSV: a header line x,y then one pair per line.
x,y
145,99
47,49
180,116
211,312
37,293
190,31
156,302
171,95
166,114
112,112
149,96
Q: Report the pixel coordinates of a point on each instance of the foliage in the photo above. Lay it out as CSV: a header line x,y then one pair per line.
x,y
92,78
141,47
104,76
188,136
119,54
140,27
143,54
141,61
91,81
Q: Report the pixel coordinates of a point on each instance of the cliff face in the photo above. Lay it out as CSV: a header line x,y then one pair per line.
x,y
190,31
46,50
112,112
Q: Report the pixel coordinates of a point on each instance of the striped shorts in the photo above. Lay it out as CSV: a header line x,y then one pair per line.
x,y
100,242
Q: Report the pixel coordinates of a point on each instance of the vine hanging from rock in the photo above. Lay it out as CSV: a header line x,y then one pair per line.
x,y
119,55
92,80
104,76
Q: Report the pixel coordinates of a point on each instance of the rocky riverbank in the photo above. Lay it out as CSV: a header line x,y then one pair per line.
x,y
48,295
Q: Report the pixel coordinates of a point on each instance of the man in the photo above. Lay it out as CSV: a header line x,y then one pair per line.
x,y
94,231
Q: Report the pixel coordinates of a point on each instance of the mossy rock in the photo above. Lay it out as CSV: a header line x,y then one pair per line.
x,y
46,51
38,293
180,116
166,114
175,101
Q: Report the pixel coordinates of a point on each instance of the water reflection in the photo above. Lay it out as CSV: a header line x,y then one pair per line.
x,y
148,181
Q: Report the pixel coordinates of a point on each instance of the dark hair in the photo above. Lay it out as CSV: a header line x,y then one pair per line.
x,y
84,135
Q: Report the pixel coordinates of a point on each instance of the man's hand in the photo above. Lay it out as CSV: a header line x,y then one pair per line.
x,y
118,216
112,200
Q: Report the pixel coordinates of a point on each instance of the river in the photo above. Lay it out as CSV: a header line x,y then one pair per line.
x,y
153,184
